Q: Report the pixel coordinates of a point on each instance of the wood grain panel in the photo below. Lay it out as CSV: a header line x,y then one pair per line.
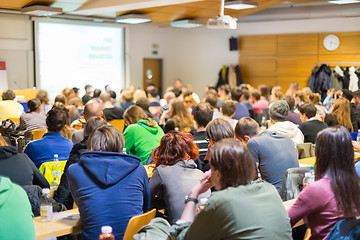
x,y
257,45
349,43
256,81
297,44
295,66
340,59
258,66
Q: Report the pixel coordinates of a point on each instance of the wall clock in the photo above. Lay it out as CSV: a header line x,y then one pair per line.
x,y
331,42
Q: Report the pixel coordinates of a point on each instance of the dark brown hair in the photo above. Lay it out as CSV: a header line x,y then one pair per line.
x,y
290,100
335,159
33,105
236,93
203,114
134,113
211,99
218,129
175,146
106,139
255,94
56,119
233,161
228,108
309,109
8,95
246,127
92,124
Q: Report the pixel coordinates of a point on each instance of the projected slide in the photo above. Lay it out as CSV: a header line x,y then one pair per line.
x,y
73,55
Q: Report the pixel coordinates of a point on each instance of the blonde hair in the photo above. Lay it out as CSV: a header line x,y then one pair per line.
x,y
139,94
341,109
181,115
134,113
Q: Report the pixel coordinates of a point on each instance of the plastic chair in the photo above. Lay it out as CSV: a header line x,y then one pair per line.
x,y
38,133
119,123
138,222
15,120
46,169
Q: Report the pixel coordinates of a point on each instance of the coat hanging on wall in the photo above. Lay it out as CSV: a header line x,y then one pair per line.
x,y
230,75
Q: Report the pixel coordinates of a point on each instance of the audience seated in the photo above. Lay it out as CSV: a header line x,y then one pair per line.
x,y
241,110
109,187
258,104
311,125
96,95
335,194
91,109
216,130
239,209
293,88
341,109
227,111
87,97
63,194
168,97
8,107
142,134
212,99
155,106
127,99
203,114
354,113
320,109
175,173
274,153
292,116
110,111
32,119
16,221
278,113
66,131
245,129
19,168
42,95
43,150
144,103
331,120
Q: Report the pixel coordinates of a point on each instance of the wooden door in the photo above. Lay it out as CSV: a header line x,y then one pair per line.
x,y
152,73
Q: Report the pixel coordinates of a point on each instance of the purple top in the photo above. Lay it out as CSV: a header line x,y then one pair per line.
x,y
317,204
293,117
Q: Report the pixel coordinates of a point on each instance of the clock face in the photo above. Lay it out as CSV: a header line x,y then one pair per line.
x,y
331,42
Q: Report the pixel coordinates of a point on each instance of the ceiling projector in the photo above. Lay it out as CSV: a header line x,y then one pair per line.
x,y
222,22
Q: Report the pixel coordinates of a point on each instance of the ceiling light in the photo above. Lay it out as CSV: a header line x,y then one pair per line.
x,y
133,18
240,4
186,23
344,1
40,10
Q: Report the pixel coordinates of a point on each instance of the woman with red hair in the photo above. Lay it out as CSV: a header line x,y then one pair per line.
x,y
175,173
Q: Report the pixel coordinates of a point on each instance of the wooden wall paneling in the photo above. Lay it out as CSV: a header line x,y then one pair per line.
x,y
349,43
258,66
257,45
295,66
256,81
297,44
340,59
284,82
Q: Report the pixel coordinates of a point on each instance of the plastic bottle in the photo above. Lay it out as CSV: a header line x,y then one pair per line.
x,y
312,175
56,171
106,233
46,209
263,123
306,180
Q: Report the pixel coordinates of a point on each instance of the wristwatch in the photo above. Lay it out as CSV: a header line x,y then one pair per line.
x,y
189,199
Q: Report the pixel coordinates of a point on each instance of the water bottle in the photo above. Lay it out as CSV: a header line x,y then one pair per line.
x,y
306,180
106,233
46,208
263,123
312,175
56,171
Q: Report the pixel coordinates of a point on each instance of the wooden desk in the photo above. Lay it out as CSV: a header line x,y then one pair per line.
x,y
57,227
311,160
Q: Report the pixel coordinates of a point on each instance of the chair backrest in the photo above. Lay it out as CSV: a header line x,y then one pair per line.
x,y
119,123
292,183
46,169
305,150
38,133
137,222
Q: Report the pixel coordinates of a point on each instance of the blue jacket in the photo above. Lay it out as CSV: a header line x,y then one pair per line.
x,y
43,150
241,111
109,188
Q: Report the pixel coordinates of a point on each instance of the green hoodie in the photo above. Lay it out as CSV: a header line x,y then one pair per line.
x,y
16,217
140,139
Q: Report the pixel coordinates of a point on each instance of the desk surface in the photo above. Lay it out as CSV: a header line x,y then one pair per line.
x,y
57,227
311,160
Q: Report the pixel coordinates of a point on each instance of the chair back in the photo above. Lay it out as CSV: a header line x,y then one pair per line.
x,y
292,183
38,133
137,222
119,123
305,150
46,169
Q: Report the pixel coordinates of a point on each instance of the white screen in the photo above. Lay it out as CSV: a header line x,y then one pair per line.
x,y
73,55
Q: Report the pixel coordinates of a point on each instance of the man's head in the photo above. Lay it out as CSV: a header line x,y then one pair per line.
x,y
211,99
105,98
228,108
107,88
246,128
8,95
97,93
357,97
144,103
168,96
307,111
279,111
236,94
56,119
127,96
218,129
255,96
291,101
178,84
152,93
91,109
347,94
88,89
203,114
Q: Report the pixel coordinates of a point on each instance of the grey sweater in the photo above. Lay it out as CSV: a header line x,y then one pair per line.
x,y
174,183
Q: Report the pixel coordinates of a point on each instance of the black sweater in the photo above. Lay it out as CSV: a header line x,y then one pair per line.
x,y
311,128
